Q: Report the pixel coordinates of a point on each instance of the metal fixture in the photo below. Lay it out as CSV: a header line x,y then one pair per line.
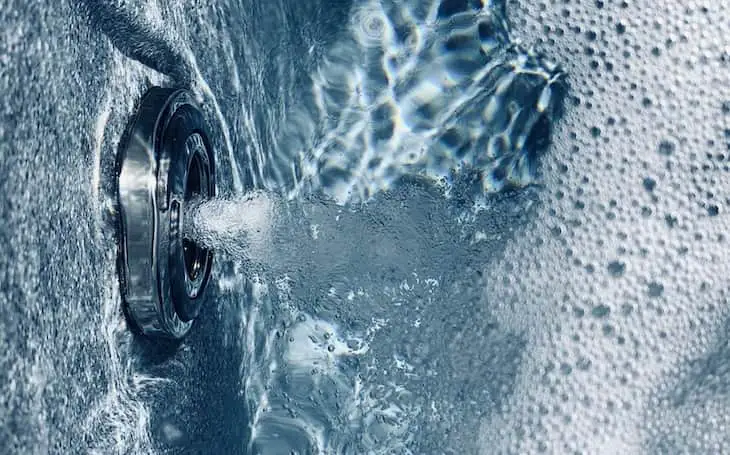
x,y
165,161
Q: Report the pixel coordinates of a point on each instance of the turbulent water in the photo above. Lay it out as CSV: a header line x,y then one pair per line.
x,y
448,227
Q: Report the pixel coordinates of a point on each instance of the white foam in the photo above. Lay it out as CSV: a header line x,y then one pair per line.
x,y
241,226
612,283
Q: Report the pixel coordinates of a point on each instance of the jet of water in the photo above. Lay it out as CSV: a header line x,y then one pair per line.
x,y
259,228
239,226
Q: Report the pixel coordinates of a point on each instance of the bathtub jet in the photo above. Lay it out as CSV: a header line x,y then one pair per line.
x,y
165,161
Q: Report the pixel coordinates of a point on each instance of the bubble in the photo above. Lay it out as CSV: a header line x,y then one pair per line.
x,y
370,26
655,289
616,268
649,184
645,125
601,311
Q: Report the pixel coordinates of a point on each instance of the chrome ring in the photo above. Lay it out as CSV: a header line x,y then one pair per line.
x,y
165,162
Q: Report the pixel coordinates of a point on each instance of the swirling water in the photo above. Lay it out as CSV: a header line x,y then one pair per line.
x,y
431,299
407,98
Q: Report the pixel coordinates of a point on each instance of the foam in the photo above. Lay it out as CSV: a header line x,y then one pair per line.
x,y
240,226
618,283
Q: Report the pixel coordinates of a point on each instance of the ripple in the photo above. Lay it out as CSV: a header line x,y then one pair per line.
x,y
424,95
370,26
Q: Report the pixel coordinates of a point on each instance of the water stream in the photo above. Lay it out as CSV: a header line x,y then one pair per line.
x,y
242,227
340,301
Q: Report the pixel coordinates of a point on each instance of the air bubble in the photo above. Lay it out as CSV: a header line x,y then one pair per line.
x,y
655,289
649,184
370,26
616,268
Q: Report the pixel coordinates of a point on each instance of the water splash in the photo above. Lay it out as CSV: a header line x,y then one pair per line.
x,y
264,230
335,323
238,226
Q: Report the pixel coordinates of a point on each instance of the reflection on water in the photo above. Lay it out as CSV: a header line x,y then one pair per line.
x,y
419,88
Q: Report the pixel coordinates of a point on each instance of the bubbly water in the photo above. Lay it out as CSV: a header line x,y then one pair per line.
x,y
416,254
242,227
342,302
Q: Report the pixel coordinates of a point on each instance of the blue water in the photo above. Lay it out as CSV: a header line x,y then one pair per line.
x,y
495,227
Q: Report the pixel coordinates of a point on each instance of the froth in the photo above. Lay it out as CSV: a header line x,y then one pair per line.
x,y
238,226
620,282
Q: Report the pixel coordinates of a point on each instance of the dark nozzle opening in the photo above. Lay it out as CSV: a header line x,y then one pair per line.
x,y
195,255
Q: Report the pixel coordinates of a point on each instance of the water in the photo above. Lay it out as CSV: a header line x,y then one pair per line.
x,y
419,89
242,227
343,302
438,275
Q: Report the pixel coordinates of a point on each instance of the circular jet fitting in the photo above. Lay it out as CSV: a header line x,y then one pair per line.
x,y
165,162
